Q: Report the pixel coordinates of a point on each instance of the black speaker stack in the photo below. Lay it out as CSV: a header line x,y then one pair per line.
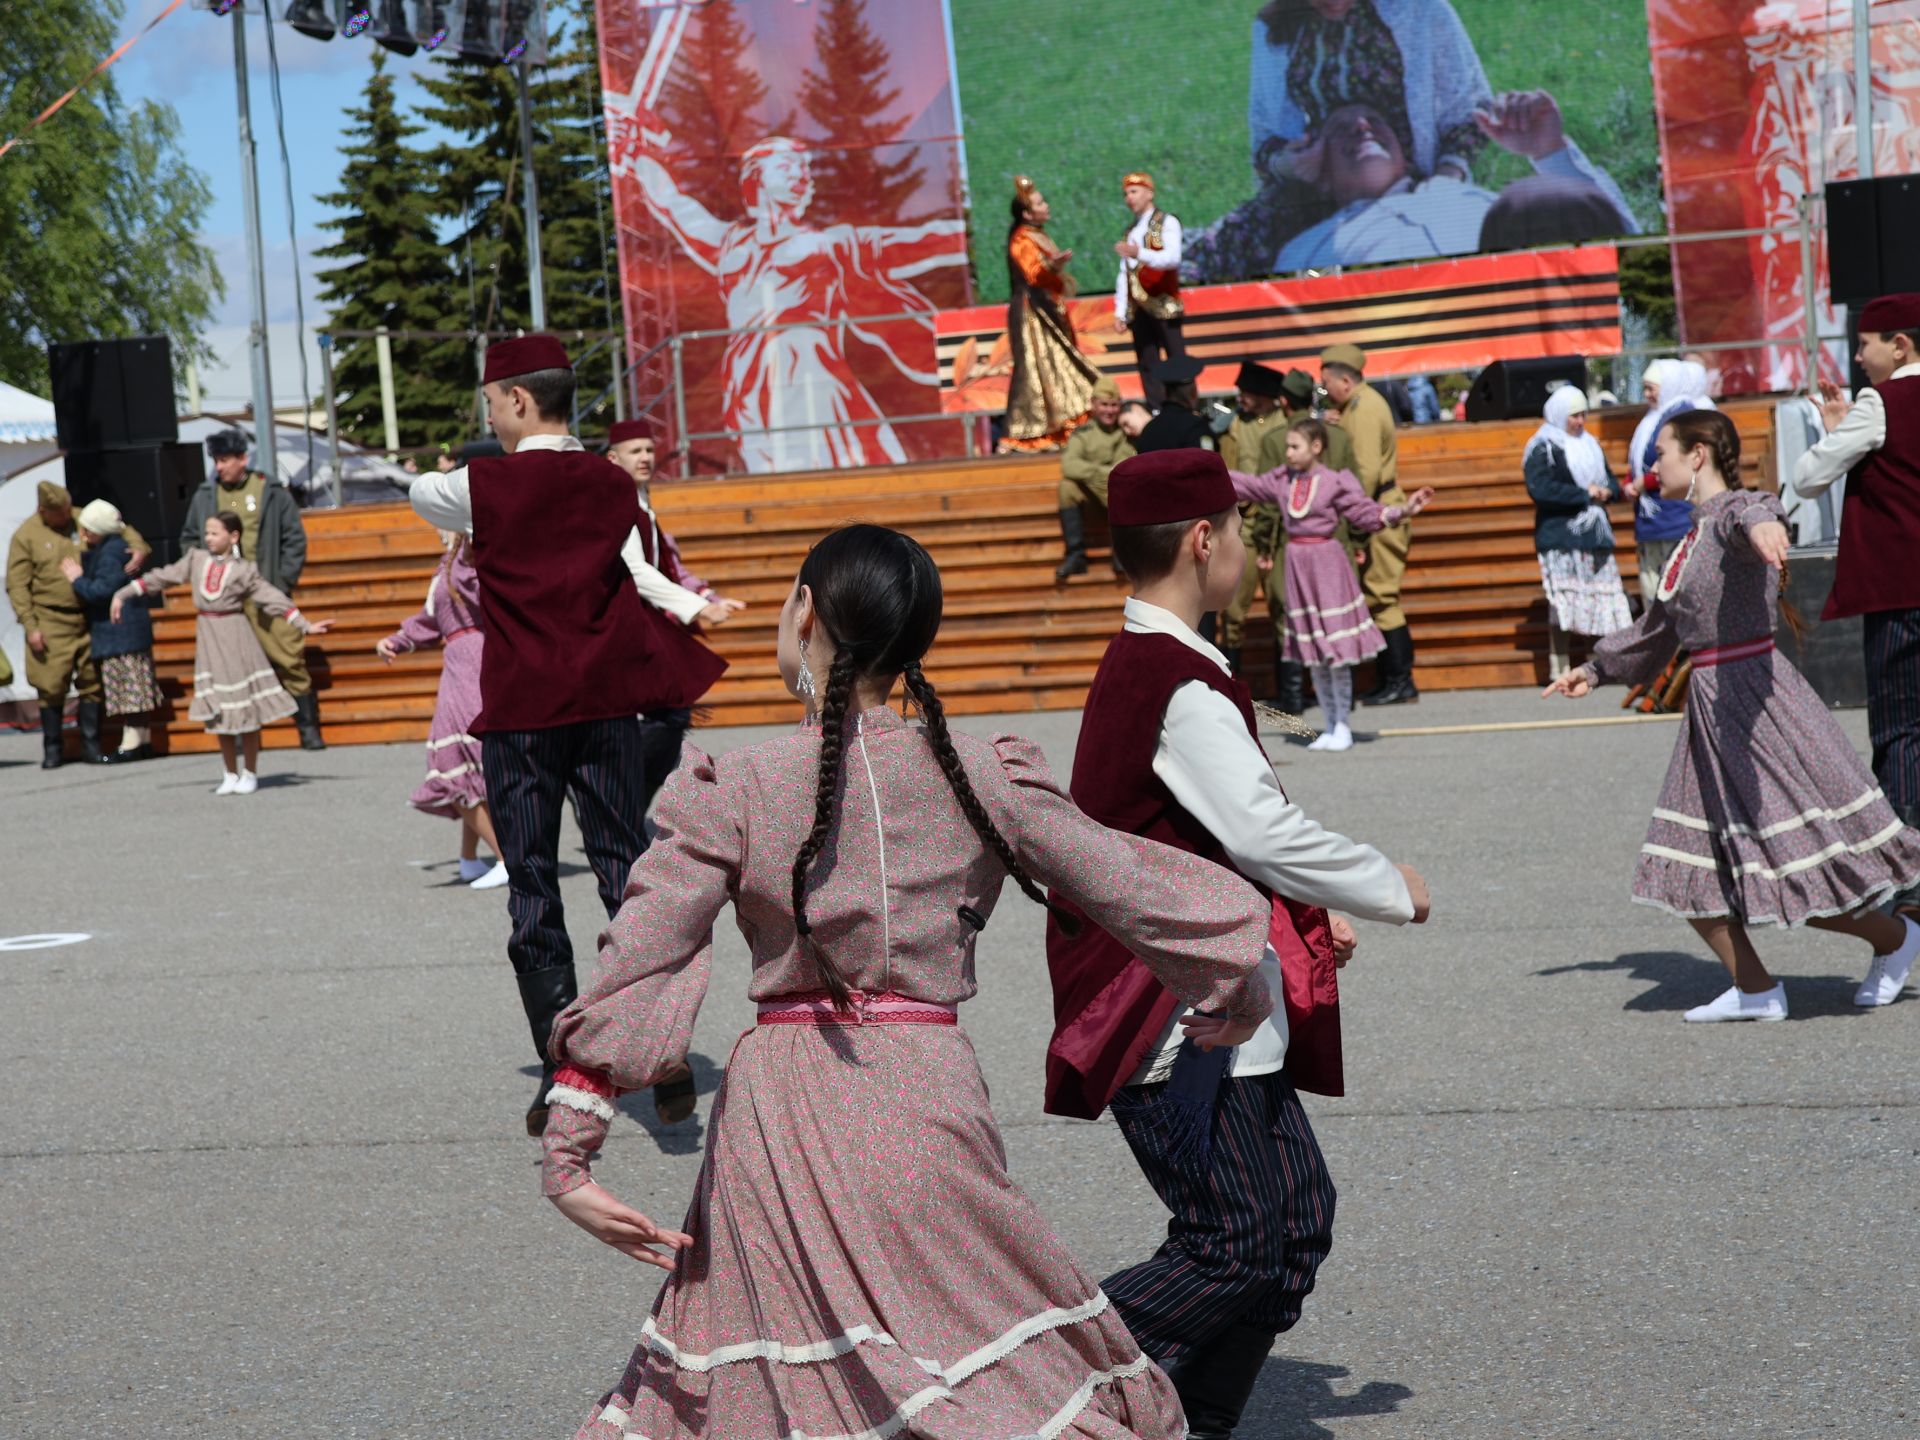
x,y
113,406
1871,225
1518,389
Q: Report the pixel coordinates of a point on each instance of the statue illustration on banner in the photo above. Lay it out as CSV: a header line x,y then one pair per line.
x,y
798,296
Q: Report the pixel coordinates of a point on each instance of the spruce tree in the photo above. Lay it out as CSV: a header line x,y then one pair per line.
x,y
853,181
712,103
392,271
100,214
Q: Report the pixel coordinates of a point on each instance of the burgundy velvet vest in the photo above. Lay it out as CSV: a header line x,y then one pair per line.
x,y
1880,518
1108,1009
568,637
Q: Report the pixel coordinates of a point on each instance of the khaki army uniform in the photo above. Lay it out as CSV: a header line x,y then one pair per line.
x,y
1245,447
284,644
1368,424
1092,452
42,598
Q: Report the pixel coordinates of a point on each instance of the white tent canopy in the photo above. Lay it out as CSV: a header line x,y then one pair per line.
x,y
24,416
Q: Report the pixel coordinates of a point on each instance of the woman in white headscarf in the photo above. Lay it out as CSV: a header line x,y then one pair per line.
x,y
1569,483
1671,387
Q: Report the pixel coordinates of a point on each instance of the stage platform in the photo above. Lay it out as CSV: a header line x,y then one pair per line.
x,y
1012,640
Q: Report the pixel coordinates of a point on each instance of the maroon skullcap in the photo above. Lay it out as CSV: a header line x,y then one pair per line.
x,y
508,358
1163,487
624,430
1892,312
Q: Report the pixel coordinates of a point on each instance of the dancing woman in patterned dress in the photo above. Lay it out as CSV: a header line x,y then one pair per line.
x,y
856,1260
1767,816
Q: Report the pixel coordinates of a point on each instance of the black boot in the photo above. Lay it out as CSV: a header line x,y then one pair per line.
x,y
1073,530
306,715
1396,671
1292,687
1216,1379
90,715
543,995
50,723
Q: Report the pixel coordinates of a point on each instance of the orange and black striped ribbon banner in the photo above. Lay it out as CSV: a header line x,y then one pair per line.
x,y
1410,319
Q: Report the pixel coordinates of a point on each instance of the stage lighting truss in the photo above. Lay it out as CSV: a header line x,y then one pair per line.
x,y
481,32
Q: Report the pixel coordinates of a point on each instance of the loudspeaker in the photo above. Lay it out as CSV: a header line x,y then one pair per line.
x,y
1513,389
1870,246
113,394
1831,657
151,487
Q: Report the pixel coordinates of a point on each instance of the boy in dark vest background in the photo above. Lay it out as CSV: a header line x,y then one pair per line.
x,y
1875,444
574,655
1169,749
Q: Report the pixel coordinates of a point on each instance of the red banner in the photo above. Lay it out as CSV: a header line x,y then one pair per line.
x,y
1410,319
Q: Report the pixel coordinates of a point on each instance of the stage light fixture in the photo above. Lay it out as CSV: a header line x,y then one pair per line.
x,y
313,18
393,32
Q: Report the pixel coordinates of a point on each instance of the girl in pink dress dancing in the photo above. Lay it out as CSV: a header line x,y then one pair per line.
x,y
856,1259
1328,627
1767,816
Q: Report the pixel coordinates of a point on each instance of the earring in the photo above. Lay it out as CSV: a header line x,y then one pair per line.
x,y
1693,485
805,683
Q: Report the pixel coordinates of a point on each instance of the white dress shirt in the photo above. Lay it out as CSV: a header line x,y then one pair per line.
x,y
1167,257
1863,431
1221,776
446,502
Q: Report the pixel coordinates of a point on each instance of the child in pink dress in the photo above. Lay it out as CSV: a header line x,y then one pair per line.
x,y
856,1259
1328,627
235,691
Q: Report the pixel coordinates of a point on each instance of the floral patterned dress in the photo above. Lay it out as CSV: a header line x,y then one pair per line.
x,y
863,1264
1767,814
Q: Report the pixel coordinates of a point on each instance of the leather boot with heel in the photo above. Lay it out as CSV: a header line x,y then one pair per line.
x,y
1216,1379
306,716
543,995
1073,530
90,714
51,742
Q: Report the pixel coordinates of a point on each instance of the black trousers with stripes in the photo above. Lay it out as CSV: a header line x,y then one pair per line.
x,y
1246,1238
1893,713
529,773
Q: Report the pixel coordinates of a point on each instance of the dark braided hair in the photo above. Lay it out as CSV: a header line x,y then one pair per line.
x,y
877,595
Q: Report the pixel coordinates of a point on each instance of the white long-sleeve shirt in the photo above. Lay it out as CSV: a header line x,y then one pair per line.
x,y
446,502
1221,776
1167,257
1863,431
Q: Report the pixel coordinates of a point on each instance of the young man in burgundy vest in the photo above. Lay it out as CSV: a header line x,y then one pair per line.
x,y
1875,444
1169,749
573,656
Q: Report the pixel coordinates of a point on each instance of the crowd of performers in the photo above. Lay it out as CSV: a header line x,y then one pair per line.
x,y
856,1258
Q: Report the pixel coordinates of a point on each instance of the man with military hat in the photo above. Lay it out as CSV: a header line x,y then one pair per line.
x,y
58,651
1179,425
274,539
1092,452
1367,421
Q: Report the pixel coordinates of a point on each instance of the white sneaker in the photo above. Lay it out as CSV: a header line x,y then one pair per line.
x,y
228,785
493,879
1736,1004
1887,976
471,870
247,784
1340,739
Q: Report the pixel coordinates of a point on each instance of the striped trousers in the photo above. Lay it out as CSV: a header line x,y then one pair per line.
x,y
529,773
1893,705
1245,1240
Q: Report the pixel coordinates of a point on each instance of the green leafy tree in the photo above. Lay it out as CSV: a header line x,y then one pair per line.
x,y
99,213
392,271
852,180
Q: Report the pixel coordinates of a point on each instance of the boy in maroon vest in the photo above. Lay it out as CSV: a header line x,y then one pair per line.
x,y
573,655
1875,444
1169,749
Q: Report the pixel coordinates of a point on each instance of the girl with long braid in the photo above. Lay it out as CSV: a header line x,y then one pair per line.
x,y
1767,816
856,1259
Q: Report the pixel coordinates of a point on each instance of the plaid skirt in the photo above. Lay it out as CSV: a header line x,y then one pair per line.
x,y
130,684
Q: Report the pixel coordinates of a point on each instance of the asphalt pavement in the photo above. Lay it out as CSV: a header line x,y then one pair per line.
x,y
263,1175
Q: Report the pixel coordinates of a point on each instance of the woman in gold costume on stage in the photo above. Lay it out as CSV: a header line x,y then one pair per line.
x,y
1051,391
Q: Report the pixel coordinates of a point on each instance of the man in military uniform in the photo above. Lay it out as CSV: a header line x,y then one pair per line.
x,y
273,538
1258,416
1092,451
1367,421
1179,425
58,652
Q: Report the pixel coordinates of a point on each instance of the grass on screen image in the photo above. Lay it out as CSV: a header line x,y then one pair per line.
x,y
1076,96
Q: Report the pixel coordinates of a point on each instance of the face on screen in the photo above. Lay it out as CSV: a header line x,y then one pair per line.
x,y
1364,159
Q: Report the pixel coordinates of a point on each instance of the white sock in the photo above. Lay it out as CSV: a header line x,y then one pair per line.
x,y
132,737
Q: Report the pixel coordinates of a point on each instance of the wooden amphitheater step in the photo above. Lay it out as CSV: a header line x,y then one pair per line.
x,y
1012,639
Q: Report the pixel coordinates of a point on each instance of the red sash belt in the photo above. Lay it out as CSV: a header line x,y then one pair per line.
x,y
1727,654
1309,539
816,1008
463,630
